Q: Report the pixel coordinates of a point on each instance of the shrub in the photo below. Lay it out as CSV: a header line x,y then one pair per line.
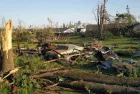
x,y
25,36
107,35
29,64
34,63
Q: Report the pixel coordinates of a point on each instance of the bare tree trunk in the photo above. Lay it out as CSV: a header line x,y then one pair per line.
x,y
101,21
98,21
7,63
102,18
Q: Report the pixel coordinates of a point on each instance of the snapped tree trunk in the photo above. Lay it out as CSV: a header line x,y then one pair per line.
x,y
7,63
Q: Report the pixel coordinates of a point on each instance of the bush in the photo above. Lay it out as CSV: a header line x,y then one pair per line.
x,y
107,35
29,64
23,37
26,84
32,63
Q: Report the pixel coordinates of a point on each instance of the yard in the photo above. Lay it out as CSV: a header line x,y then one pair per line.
x,y
32,64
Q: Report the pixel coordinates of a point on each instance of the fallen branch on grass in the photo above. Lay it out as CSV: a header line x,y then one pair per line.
x,y
11,72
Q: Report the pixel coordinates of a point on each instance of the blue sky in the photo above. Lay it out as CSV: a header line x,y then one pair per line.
x,y
36,12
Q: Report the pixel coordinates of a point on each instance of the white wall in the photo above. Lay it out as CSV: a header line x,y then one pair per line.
x,y
137,27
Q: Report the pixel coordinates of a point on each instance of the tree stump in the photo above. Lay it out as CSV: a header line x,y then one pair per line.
x,y
7,63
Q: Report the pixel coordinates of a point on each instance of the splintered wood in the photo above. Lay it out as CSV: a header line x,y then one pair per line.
x,y
7,37
6,52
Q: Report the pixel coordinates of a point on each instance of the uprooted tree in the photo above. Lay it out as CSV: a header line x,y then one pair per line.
x,y
7,63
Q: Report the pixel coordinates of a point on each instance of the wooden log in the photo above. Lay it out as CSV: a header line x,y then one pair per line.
x,y
91,77
7,52
59,90
98,88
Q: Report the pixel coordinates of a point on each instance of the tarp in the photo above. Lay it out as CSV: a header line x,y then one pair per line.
x,y
137,54
68,31
137,27
83,30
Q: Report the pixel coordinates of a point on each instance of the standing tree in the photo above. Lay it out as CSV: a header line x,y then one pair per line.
x,y
101,17
3,22
126,18
50,33
20,27
7,63
64,26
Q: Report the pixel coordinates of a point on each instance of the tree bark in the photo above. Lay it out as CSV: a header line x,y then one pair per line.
x,y
98,88
7,63
90,77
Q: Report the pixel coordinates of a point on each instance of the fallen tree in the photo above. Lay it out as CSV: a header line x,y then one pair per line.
x,y
99,88
90,77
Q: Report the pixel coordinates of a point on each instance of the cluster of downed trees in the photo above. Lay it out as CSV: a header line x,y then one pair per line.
x,y
86,82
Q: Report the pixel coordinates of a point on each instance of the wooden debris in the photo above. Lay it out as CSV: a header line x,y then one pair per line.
x,y
11,72
6,51
50,86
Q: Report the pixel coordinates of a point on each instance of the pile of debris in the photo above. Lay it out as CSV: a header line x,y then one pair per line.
x,y
107,59
53,52
105,56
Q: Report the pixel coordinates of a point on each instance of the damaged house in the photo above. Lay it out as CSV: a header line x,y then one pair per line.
x,y
120,29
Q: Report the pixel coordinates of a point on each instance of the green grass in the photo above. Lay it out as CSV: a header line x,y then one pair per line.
x,y
26,44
